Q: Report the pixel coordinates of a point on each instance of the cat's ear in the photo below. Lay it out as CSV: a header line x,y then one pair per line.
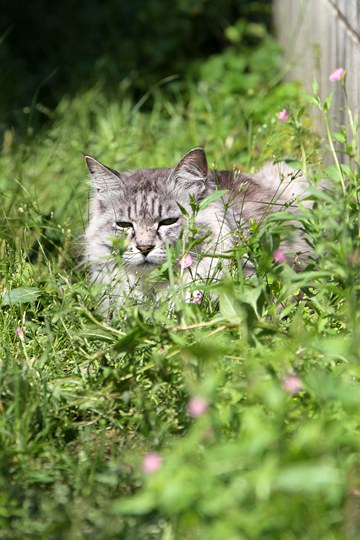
x,y
104,179
191,172
193,166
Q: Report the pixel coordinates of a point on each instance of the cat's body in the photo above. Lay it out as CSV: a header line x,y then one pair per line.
x,y
147,208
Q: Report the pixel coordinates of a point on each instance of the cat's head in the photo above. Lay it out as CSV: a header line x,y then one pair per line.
x,y
143,205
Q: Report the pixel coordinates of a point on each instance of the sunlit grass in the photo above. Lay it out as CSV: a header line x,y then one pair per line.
x,y
84,400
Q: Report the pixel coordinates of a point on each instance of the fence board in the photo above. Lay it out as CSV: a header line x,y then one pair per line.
x,y
318,36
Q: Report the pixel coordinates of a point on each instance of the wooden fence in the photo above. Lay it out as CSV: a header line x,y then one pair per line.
x,y
319,36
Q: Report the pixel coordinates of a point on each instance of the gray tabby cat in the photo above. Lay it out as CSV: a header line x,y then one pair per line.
x,y
143,207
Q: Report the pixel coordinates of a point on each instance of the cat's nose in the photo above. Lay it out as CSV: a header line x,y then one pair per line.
x,y
145,249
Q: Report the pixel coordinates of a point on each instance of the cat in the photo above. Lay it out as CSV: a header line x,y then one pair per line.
x,y
141,212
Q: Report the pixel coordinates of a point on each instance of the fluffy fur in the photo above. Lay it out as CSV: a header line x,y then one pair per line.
x,y
142,206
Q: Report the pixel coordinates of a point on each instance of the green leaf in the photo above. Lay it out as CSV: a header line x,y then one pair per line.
x,y
339,136
314,100
230,308
315,86
308,477
130,341
212,198
320,195
345,169
252,297
21,295
332,172
141,504
183,210
327,102
293,163
307,277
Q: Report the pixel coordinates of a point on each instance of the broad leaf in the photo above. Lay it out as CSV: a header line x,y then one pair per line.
x,y
21,295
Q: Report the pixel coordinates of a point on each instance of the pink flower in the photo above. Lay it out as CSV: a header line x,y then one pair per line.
x,y
283,115
20,333
197,296
337,74
279,256
152,462
292,384
186,261
197,406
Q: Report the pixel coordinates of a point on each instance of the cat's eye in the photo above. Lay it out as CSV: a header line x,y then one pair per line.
x,y
123,224
169,221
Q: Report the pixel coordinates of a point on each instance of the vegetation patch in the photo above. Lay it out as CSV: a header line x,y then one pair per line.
x,y
233,417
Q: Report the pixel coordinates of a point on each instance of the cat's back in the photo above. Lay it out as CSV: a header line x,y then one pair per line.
x,y
240,186
267,190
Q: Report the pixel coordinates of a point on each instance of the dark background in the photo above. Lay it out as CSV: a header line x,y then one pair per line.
x,y
48,49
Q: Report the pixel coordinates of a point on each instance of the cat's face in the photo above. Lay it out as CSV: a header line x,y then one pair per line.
x,y
142,208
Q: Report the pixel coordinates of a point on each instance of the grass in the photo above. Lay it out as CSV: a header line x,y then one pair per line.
x,y
82,401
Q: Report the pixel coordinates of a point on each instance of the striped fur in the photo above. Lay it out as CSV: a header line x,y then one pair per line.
x,y
142,207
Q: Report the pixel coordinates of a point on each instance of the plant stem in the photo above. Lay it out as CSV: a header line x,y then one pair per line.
x,y
332,148
352,123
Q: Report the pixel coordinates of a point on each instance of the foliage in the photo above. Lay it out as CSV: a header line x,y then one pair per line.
x,y
274,454
48,51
